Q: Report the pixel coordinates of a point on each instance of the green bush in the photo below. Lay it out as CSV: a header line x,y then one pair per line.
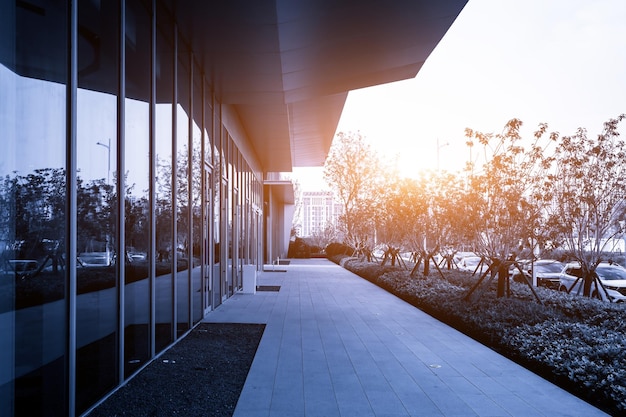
x,y
336,248
299,249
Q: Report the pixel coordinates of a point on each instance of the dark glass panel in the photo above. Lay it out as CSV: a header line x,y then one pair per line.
x,y
165,250
196,197
184,182
136,196
97,302
33,62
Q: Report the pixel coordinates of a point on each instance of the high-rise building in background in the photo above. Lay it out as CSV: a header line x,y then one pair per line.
x,y
318,211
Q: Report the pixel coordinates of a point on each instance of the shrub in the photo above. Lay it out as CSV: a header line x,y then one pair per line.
x,y
336,248
299,249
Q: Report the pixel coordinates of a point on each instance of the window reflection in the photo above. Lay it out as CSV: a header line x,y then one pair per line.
x,y
165,249
32,219
196,209
204,222
136,197
184,259
96,237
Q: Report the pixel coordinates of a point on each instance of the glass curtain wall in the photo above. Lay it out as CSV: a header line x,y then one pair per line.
x,y
158,244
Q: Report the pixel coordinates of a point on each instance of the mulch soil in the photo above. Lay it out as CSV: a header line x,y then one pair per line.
x,y
201,375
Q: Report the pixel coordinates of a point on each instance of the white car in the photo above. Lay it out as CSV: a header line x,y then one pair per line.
x,y
471,263
95,259
612,276
547,271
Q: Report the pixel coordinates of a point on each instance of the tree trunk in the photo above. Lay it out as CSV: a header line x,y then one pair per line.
x,y
587,281
503,275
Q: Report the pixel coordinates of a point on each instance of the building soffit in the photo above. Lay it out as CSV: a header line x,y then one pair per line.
x,y
286,66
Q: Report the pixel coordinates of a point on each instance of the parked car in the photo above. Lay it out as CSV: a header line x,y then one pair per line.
x,y
547,271
94,259
22,267
135,255
470,263
612,276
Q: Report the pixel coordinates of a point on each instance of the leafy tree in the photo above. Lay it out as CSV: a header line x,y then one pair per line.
x,y
430,217
352,170
585,195
397,207
95,213
502,196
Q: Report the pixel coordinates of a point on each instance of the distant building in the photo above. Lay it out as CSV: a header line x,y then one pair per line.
x,y
319,209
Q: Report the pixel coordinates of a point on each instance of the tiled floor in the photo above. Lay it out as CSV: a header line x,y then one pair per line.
x,y
336,345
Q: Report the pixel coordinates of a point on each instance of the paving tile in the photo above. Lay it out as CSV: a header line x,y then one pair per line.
x,y
336,345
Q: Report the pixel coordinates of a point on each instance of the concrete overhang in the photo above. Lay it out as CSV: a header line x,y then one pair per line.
x,y
282,185
286,66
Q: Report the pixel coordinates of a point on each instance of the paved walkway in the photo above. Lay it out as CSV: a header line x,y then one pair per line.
x,y
337,345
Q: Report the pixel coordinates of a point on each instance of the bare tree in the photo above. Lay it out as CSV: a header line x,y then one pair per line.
x,y
324,236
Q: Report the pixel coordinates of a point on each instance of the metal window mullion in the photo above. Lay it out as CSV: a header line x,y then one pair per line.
x,y
152,180
174,187
121,186
71,208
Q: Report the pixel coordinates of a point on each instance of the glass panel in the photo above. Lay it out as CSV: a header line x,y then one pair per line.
x,y
33,277
183,257
217,214
97,312
209,187
164,225
196,197
209,245
136,196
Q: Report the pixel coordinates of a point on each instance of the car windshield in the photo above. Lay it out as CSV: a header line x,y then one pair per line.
x,y
552,268
611,273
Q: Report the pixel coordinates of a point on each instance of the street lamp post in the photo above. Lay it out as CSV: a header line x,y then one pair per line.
x,y
438,148
109,158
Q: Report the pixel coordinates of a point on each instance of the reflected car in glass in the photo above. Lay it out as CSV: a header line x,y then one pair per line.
x,y
22,268
94,259
134,254
612,276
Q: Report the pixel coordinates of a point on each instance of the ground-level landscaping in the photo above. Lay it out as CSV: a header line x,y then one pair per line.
x,y
577,343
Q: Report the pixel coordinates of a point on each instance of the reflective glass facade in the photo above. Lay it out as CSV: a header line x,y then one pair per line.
x,y
127,211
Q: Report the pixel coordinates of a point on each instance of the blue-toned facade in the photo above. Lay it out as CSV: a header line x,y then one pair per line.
x,y
127,209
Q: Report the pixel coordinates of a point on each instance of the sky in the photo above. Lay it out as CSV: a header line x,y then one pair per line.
x,y
560,62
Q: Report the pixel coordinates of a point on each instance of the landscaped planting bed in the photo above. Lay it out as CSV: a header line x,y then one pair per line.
x,y
576,342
